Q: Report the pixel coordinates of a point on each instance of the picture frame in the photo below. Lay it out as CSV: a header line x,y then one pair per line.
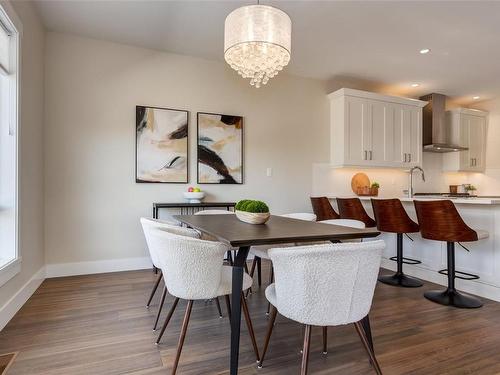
x,y
161,145
220,154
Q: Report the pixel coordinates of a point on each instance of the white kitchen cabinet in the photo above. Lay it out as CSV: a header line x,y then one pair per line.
x,y
374,130
468,129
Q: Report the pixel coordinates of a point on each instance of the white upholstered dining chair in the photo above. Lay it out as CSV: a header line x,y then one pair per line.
x,y
193,270
147,225
260,252
345,223
324,285
229,255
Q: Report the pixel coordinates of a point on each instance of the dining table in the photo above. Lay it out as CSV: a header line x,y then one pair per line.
x,y
277,230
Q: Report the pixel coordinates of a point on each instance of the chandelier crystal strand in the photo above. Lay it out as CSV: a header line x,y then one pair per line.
x,y
257,42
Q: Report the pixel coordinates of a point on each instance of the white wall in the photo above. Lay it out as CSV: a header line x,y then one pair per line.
x,y
92,202
31,166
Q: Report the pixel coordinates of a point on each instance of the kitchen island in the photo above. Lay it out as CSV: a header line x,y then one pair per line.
x,y
482,260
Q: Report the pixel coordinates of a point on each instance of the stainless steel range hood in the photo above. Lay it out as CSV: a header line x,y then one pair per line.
x,y
436,132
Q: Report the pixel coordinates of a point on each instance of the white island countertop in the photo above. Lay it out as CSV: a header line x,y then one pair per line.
x,y
473,200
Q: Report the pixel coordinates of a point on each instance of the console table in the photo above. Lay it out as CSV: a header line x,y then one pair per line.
x,y
191,208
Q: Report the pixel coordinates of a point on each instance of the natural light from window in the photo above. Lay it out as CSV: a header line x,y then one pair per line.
x,y
9,254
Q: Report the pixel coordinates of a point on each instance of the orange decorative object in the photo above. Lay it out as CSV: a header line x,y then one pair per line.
x,y
360,185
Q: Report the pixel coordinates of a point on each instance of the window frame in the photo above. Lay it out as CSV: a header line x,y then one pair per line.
x,y
11,22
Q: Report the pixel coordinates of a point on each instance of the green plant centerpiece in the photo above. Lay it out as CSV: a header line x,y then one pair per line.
x,y
252,211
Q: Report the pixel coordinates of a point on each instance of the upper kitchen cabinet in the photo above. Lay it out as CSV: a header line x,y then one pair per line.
x,y
468,129
374,130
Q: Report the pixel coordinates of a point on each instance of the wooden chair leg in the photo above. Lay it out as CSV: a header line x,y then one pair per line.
x,y
160,306
368,348
167,320
259,271
305,350
155,287
272,319
182,336
228,306
271,280
325,340
217,303
248,320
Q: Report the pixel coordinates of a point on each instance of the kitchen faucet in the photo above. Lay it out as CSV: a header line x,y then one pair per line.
x,y
410,183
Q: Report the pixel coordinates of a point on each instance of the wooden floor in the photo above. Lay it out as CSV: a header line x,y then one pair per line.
x,y
98,324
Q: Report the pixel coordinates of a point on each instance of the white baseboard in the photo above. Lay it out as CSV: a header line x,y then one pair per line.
x,y
12,306
473,286
99,266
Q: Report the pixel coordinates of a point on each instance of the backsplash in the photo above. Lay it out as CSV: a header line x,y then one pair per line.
x,y
328,181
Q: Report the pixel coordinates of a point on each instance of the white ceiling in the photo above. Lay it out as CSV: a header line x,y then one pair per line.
x,y
370,41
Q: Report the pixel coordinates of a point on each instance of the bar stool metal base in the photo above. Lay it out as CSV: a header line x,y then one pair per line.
x,y
401,280
451,297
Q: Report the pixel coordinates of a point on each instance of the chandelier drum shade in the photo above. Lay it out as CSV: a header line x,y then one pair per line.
x,y
257,42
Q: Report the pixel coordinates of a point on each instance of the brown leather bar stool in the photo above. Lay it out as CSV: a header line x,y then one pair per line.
x,y
440,221
351,208
391,217
323,209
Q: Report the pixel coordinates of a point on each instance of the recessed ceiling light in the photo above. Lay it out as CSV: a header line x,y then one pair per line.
x,y
424,51
475,97
415,84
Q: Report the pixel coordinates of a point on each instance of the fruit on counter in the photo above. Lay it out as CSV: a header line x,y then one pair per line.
x,y
191,189
196,190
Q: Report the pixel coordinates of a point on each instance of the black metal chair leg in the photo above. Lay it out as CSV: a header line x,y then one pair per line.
x,y
228,306
248,320
305,350
167,320
182,336
160,306
248,272
271,280
252,271
218,306
325,340
259,271
368,348
157,282
272,319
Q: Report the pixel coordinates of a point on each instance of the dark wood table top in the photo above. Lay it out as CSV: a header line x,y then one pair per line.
x,y
187,204
230,230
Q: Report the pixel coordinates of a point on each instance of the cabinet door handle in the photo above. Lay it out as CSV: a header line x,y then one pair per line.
x,y
409,158
371,155
366,155
405,157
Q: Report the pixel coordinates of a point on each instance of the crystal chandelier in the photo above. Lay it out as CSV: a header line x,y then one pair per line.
x,y
257,42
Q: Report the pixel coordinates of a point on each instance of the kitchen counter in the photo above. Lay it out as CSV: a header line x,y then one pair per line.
x,y
472,200
482,260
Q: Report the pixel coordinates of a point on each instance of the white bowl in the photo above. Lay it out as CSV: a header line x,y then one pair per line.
x,y
253,217
194,197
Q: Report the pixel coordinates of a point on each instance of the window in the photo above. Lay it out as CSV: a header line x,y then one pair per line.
x,y
9,74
